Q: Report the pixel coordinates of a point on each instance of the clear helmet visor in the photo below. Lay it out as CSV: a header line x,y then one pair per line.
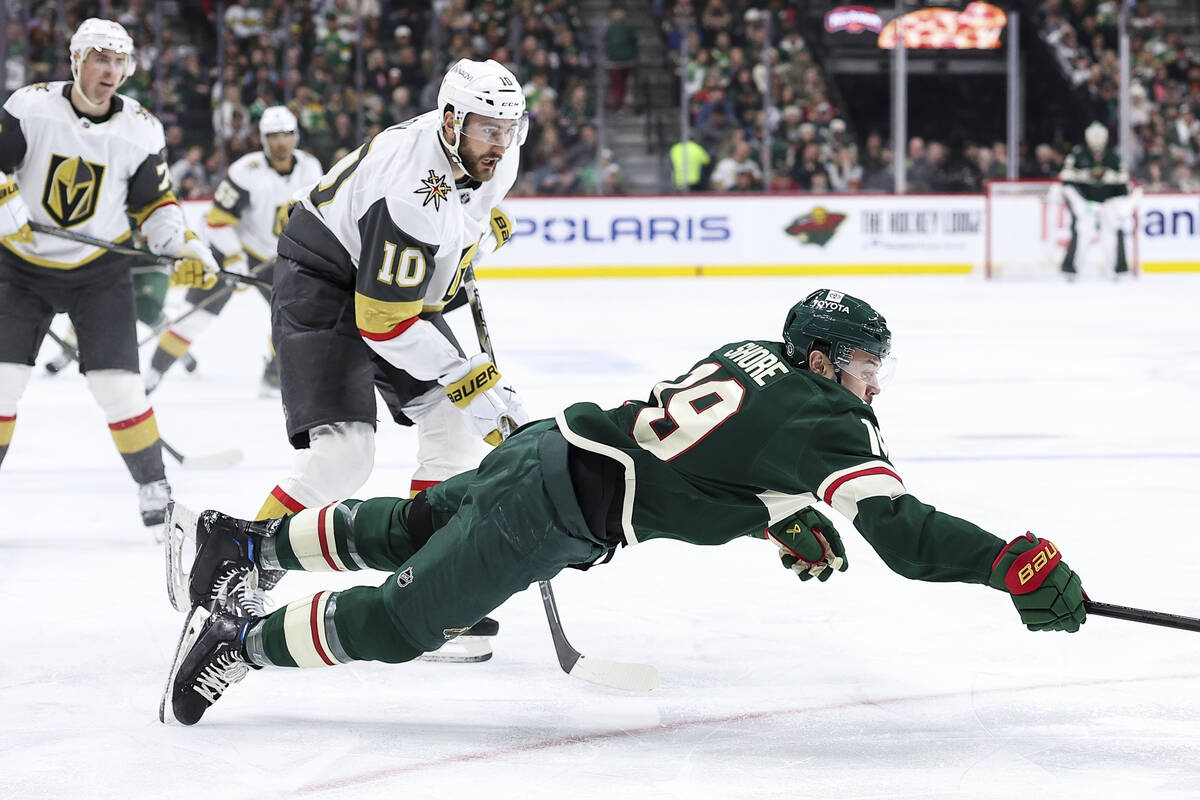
x,y
495,132
867,367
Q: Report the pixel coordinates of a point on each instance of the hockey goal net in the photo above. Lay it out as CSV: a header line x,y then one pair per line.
x,y
1028,227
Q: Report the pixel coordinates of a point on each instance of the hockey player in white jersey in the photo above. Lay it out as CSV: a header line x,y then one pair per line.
x,y
367,262
250,208
78,155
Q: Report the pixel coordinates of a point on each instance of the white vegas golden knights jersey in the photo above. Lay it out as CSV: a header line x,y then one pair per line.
x,y
389,220
81,174
254,199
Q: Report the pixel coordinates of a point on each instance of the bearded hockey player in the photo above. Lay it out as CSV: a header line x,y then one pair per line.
x,y
250,209
368,260
367,263
1096,190
740,445
76,154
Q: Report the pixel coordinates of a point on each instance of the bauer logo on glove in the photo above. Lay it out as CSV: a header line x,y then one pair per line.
x,y
463,391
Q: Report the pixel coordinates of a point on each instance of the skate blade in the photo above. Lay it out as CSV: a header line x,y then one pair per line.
x,y
461,650
192,628
179,527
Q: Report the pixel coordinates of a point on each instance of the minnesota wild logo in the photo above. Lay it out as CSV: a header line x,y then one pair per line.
x,y
816,227
72,190
435,189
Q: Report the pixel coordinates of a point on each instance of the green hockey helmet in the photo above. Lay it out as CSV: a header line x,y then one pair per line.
x,y
842,322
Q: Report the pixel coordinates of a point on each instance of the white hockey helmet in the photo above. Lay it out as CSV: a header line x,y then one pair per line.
x,y
101,34
277,119
486,88
1096,136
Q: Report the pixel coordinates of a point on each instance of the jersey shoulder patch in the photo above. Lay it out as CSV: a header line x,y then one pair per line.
x,y
141,127
34,99
240,171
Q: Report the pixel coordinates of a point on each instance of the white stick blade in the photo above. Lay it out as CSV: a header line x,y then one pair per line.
x,y
218,460
616,674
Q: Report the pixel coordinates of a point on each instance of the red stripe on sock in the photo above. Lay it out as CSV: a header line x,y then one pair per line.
x,y
8,419
314,621
420,486
323,538
290,503
129,423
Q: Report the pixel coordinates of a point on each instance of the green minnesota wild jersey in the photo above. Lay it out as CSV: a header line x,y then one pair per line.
x,y
1096,179
745,440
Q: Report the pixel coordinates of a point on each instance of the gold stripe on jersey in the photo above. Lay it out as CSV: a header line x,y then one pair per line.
x,y
136,433
71,192
250,252
45,262
377,319
140,215
218,216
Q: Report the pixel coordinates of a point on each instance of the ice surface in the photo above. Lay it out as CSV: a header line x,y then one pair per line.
x,y
1068,410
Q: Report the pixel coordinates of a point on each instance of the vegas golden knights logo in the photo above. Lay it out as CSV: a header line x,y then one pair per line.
x,y
72,190
281,218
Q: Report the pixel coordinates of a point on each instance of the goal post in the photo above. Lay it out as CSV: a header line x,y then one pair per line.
x,y
1027,227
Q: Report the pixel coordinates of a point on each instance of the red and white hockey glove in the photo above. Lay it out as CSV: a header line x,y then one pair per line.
x,y
809,545
1047,593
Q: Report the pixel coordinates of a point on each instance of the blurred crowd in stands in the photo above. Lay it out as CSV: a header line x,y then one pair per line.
x,y
718,45
350,68
1165,90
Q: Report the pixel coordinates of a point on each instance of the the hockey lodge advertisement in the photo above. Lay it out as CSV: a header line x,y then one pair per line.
x,y
787,234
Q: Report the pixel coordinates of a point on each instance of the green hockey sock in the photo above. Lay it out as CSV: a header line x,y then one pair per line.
x,y
329,628
350,535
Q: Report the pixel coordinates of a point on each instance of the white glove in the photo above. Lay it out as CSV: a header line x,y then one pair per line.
x,y
494,410
194,264
14,214
237,264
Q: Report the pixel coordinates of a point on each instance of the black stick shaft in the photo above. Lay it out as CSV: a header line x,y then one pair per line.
x,y
82,238
1142,615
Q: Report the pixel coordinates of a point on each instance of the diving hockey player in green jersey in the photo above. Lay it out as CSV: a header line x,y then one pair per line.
x,y
743,444
1096,190
88,158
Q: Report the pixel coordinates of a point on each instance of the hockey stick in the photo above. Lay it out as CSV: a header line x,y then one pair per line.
x,y
615,674
214,294
217,460
83,238
1142,615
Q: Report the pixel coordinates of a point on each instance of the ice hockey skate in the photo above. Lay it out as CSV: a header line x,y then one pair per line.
x,y
224,573
153,498
471,646
208,660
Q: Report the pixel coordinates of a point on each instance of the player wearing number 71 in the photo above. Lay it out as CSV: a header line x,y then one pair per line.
x,y
743,444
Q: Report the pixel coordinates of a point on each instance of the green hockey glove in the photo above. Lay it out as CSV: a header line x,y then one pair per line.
x,y
809,545
1047,593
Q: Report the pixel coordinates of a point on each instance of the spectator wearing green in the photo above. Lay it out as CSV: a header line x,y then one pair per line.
x,y
688,161
620,52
